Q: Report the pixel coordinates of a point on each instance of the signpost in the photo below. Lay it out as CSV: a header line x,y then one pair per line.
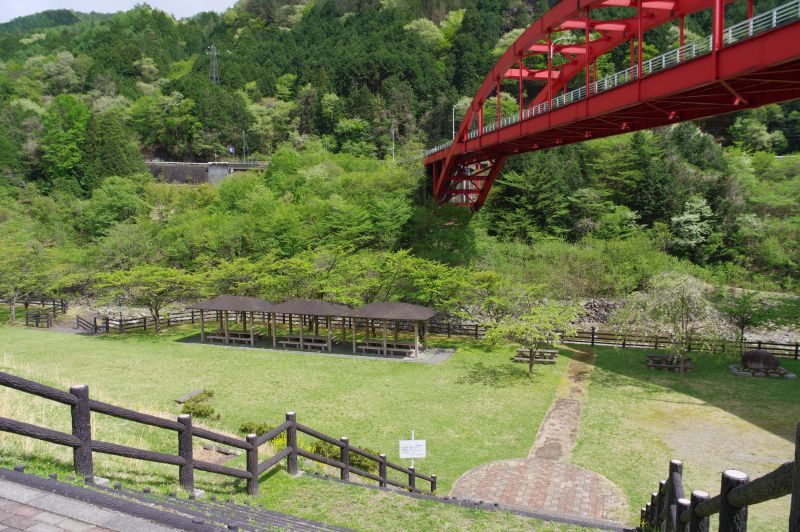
x,y
412,448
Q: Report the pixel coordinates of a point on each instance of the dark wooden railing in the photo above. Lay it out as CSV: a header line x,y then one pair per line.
x,y
40,318
671,511
108,324
99,325
83,445
41,312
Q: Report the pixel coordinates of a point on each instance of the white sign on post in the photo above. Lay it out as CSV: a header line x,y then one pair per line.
x,y
412,448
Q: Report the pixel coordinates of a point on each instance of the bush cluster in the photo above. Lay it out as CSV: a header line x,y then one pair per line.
x,y
199,406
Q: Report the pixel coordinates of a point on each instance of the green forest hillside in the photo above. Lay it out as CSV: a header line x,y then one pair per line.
x,y
320,89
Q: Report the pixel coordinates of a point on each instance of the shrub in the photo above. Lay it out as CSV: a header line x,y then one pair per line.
x,y
329,450
198,406
253,427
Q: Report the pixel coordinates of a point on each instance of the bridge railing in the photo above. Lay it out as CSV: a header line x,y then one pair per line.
x,y
783,14
779,16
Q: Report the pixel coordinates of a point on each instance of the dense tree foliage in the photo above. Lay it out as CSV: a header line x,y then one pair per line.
x,y
326,92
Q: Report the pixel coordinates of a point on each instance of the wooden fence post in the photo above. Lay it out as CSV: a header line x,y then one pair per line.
x,y
252,464
186,471
682,506
675,482
661,502
433,483
82,429
797,350
344,458
94,329
144,323
593,333
794,513
697,523
653,508
382,470
291,443
412,478
192,317
731,518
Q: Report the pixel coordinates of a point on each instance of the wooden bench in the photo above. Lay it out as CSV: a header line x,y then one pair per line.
x,y
370,349
306,344
665,362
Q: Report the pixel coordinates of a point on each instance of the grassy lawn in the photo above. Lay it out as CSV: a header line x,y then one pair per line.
x,y
712,421
474,408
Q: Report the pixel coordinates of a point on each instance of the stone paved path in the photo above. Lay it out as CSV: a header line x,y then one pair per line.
x,y
545,480
26,508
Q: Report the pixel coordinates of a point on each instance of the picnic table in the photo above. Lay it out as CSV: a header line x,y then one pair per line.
x,y
308,342
392,346
233,337
661,361
537,356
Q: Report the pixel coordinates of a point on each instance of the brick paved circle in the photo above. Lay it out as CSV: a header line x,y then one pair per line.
x,y
540,484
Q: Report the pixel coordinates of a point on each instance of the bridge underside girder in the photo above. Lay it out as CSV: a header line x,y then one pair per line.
x,y
749,74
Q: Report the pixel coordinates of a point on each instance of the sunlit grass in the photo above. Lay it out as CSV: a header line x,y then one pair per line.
x,y
475,408
711,421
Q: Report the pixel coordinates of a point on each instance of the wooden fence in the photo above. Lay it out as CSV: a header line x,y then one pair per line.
x,y
671,511
593,336
41,312
108,324
84,446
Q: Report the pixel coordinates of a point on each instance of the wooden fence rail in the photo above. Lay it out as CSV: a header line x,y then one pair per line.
x,y
671,511
593,336
83,445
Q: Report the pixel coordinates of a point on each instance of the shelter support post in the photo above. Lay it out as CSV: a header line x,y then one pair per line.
x,y
353,333
274,330
328,327
302,330
425,340
252,330
227,332
416,337
385,334
202,326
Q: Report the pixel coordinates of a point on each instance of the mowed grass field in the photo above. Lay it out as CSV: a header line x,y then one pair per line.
x,y
474,408
635,420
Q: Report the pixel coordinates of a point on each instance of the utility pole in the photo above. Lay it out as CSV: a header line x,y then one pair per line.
x,y
213,69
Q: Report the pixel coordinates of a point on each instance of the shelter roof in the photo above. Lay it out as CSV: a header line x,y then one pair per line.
x,y
311,307
393,311
235,304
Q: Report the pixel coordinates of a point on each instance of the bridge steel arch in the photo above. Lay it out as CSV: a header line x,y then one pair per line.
x,y
749,64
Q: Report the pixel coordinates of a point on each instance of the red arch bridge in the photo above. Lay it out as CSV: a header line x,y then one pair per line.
x,y
748,64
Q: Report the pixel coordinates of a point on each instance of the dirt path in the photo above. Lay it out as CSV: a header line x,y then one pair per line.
x,y
545,480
